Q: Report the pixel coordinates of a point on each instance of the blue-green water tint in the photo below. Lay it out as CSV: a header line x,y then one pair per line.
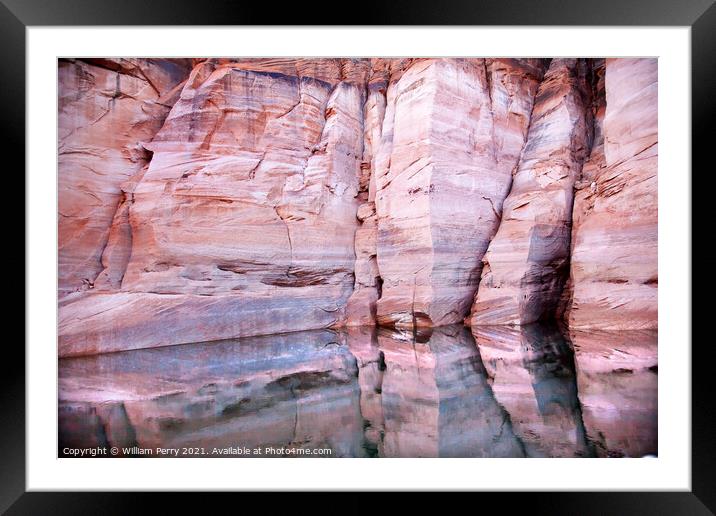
x,y
368,392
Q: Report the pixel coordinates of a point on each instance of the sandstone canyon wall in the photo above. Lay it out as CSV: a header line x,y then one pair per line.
x,y
108,110
439,198
218,198
528,259
614,274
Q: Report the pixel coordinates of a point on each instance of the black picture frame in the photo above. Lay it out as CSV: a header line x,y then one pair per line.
x,y
700,15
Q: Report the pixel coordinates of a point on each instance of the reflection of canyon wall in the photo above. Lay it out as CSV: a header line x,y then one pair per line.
x,y
221,198
370,392
531,370
436,399
617,382
296,390
363,344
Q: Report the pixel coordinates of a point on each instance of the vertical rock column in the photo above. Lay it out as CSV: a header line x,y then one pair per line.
x,y
614,272
585,187
527,262
439,188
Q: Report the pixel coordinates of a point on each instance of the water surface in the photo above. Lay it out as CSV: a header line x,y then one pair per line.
x,y
368,392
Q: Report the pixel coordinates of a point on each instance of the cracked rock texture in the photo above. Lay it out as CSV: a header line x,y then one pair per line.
x,y
108,110
443,169
527,261
614,273
208,199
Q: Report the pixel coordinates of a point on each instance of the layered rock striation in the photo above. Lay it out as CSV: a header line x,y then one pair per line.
x,y
244,221
527,262
451,134
614,269
216,198
108,109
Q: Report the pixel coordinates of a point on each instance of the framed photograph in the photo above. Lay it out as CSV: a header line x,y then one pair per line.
x,y
443,248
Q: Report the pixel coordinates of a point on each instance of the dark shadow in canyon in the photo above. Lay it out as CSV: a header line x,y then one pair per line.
x,y
368,392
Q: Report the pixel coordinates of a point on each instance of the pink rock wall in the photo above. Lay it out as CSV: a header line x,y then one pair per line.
x,y
527,262
244,221
107,110
614,273
216,395
216,198
449,143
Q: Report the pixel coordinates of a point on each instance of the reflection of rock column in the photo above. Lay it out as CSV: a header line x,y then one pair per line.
x,y
436,400
617,382
88,425
527,262
533,378
363,343
296,390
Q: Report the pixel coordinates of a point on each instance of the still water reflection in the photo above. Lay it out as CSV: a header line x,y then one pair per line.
x,y
367,392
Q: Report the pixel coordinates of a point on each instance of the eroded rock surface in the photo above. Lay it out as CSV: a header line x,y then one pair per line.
x,y
108,110
526,265
614,273
208,199
244,221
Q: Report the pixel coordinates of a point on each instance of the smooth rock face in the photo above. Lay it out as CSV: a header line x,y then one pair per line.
x,y
439,189
108,109
614,273
617,383
527,262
